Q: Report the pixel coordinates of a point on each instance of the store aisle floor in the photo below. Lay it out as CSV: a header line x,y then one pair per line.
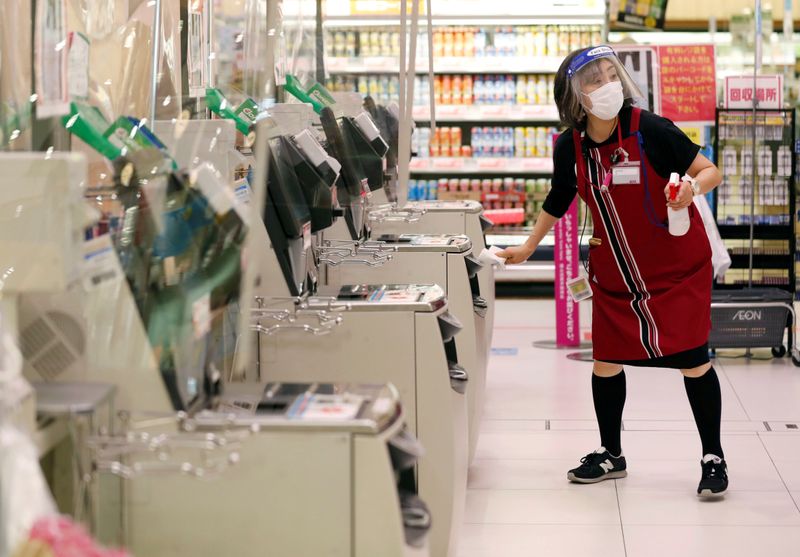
x,y
539,421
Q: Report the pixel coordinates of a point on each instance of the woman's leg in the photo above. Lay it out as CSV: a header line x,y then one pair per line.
x,y
705,398
608,392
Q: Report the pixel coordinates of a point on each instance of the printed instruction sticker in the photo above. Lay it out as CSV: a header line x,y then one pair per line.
x,y
100,263
78,66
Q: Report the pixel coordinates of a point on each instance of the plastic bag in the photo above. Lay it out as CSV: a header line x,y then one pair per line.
x,y
24,495
720,258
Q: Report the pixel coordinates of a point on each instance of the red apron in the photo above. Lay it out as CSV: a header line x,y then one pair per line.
x,y
652,290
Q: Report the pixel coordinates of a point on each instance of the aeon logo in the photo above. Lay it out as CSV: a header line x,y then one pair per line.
x,y
747,315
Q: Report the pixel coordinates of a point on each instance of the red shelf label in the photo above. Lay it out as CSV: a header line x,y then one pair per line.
x,y
539,165
448,164
491,164
494,110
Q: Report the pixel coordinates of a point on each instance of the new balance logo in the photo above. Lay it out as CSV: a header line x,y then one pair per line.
x,y
607,466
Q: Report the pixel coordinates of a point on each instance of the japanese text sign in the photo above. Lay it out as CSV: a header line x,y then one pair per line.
x,y
688,82
767,89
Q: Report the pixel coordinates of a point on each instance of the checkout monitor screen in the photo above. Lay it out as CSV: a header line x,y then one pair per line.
x,y
182,261
372,163
283,191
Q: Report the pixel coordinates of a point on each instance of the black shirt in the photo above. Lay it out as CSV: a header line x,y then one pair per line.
x,y
666,146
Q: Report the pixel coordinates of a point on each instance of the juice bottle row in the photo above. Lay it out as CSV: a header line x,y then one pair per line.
x,y
508,142
492,89
454,89
527,41
469,42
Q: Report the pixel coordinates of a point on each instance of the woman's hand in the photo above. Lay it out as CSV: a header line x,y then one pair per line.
x,y
517,254
684,197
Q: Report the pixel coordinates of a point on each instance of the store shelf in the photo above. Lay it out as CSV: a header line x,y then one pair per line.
x,y
761,232
527,272
759,261
488,113
463,65
458,166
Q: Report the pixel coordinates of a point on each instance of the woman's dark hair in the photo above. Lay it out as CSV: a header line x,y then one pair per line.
x,y
570,108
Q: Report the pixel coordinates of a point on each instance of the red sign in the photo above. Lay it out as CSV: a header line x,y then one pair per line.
x,y
688,83
739,91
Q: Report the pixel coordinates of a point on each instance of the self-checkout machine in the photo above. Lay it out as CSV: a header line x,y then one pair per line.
x,y
305,453
397,333
417,258
390,213
42,217
224,142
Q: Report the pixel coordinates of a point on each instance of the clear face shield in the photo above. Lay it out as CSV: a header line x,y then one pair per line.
x,y
601,83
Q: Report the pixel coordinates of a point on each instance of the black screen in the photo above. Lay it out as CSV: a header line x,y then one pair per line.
x,y
285,193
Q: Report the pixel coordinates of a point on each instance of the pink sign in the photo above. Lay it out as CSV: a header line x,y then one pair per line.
x,y
566,259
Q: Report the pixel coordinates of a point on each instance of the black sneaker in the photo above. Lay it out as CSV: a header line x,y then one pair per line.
x,y
598,466
714,481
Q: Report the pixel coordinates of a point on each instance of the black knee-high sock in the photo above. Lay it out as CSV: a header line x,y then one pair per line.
x,y
705,398
609,400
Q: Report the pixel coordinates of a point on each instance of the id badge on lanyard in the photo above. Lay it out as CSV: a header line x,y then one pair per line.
x,y
579,289
626,173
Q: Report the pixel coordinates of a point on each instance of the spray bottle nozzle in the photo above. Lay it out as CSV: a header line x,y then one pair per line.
x,y
674,186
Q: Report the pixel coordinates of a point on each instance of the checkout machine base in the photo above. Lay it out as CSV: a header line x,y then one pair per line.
x,y
276,469
393,334
436,259
452,217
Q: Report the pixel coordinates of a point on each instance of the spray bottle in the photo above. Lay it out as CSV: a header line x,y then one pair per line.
x,y
679,220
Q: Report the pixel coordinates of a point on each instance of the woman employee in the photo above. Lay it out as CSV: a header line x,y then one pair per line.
x,y
651,290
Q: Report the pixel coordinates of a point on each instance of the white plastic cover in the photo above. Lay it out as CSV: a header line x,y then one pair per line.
x,y
24,495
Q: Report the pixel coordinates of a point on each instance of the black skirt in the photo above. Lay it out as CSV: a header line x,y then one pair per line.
x,y
689,359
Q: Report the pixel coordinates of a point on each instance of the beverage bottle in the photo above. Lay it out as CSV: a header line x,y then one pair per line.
x,y
519,142
449,42
499,89
469,43
510,90
508,142
476,138
455,95
679,220
437,89
541,89
458,43
438,43
552,40
433,189
455,141
479,42
522,89
447,89
466,93
478,90
531,93
519,34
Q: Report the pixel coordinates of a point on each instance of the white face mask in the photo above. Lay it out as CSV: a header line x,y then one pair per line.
x,y
607,100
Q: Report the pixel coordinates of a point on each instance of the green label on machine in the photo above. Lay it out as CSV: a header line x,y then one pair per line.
x,y
248,111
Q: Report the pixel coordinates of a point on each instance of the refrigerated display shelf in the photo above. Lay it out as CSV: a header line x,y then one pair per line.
x,y
488,113
442,65
761,231
481,166
760,261
441,20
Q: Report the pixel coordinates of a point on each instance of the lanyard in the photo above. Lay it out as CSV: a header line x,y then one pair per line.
x,y
619,151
